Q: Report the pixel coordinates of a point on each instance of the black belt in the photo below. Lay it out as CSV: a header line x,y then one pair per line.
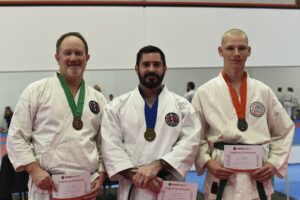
x,y
222,184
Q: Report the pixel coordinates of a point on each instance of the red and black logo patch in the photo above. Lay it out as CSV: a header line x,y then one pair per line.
x,y
172,119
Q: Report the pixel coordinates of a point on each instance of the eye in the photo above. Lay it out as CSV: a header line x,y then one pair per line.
x,y
157,64
230,48
78,53
145,64
67,53
242,48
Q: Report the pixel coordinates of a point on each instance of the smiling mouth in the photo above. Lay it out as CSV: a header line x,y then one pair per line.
x,y
73,65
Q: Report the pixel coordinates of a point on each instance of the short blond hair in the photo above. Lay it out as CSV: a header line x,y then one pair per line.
x,y
234,31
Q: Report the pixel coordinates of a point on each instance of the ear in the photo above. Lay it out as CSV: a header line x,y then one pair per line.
x,y
87,57
136,69
165,68
57,57
249,51
220,50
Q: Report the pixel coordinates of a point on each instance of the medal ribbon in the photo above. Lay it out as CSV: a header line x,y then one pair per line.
x,y
150,114
240,107
76,110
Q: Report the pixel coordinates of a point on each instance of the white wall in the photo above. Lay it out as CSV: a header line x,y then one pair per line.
x,y
188,35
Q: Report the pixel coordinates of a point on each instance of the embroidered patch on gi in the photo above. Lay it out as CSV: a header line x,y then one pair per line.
x,y
172,119
94,107
257,109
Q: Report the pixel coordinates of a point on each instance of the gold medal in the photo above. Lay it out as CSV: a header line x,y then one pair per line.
x,y
77,123
150,134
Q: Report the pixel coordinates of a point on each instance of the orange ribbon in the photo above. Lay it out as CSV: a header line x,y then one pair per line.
x,y
240,106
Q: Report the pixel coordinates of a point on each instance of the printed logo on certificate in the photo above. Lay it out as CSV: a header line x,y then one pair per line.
x,y
243,158
71,186
172,190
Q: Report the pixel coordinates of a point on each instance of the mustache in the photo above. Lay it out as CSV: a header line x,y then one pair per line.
x,y
151,74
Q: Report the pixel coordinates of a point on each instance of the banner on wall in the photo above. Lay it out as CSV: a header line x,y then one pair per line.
x,y
216,3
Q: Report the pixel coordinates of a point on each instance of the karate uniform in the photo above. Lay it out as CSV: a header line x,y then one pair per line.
x,y
177,131
189,95
41,130
268,124
289,101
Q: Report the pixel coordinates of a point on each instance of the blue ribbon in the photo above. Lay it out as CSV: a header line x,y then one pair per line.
x,y
151,114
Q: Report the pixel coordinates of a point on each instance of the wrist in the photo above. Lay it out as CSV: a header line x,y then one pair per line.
x,y
31,167
163,164
127,174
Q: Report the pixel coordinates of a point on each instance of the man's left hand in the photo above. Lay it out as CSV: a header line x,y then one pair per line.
x,y
96,187
264,173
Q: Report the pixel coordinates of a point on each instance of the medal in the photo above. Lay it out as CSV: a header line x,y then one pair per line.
x,y
76,109
239,105
77,123
242,125
150,118
150,134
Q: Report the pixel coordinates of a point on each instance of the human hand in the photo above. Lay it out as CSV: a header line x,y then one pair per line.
x,y
155,184
217,170
96,187
264,173
128,173
40,177
145,173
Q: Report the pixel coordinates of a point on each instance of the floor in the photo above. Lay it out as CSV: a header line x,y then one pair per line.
x,y
280,184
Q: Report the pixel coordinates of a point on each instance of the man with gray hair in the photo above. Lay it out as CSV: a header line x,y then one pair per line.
x,y
55,129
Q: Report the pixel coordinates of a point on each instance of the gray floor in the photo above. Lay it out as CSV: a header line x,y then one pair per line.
x,y
111,195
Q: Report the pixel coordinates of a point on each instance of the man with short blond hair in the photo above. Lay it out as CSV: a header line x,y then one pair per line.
x,y
235,109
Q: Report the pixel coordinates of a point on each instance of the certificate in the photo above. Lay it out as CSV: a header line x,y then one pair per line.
x,y
174,190
243,158
71,186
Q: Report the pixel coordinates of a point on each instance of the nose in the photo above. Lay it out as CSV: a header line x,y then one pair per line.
x,y
72,56
151,67
236,52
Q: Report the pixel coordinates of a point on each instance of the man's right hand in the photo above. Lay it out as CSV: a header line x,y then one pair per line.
x,y
155,184
40,177
217,170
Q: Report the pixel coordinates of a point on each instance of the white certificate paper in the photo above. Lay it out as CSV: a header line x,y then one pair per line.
x,y
243,158
71,186
174,190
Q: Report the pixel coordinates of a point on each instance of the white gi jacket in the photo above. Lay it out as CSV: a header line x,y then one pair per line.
x,y
41,129
124,146
268,123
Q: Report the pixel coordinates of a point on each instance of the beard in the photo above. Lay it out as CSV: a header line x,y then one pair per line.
x,y
153,81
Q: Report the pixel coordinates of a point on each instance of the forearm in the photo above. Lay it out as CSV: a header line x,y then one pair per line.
x,y
128,173
32,167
